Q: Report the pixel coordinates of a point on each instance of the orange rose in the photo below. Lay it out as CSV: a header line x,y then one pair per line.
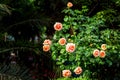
x,y
70,47
96,53
69,4
102,54
58,26
46,48
103,47
78,70
47,42
62,41
66,73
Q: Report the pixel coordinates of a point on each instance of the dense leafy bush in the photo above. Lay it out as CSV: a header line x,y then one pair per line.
x,y
86,34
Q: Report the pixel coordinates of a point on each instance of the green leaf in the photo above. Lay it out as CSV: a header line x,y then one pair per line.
x,y
58,63
62,51
66,19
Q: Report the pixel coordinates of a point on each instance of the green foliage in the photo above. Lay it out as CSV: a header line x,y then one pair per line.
x,y
79,78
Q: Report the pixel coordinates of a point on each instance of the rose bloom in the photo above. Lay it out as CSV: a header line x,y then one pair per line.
x,y
58,26
70,47
62,41
103,47
47,42
46,48
66,73
78,70
69,4
96,53
102,54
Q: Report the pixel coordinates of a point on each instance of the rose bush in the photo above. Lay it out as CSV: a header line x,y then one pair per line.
x,y
86,42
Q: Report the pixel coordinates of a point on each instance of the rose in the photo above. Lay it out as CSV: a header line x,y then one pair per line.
x,y
102,54
103,47
96,53
47,42
70,47
58,26
46,48
69,4
62,41
78,70
66,73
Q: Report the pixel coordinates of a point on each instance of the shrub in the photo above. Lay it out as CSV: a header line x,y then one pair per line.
x,y
83,35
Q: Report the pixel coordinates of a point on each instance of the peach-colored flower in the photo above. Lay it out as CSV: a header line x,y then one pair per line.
x,y
47,42
66,73
103,47
69,4
46,48
70,47
62,41
102,54
96,53
78,70
58,26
